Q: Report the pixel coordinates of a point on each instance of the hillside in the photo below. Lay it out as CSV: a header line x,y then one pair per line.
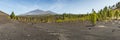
x,y
3,13
4,17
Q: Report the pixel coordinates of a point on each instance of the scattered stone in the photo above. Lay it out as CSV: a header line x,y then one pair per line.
x,y
101,26
113,30
28,35
113,23
118,26
116,21
89,28
58,39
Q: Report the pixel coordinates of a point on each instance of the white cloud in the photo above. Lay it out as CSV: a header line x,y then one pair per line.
x,y
58,5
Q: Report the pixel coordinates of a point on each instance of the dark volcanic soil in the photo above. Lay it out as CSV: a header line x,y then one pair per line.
x,y
21,31
60,31
83,31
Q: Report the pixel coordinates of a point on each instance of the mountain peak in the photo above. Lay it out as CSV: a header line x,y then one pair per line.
x,y
37,10
40,12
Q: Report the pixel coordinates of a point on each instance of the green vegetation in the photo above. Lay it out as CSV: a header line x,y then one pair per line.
x,y
94,17
104,14
12,16
117,14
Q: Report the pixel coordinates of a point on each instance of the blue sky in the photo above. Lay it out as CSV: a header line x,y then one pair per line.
x,y
58,6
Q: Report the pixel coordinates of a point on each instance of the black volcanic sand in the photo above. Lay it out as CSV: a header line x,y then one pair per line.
x,y
83,31
21,31
60,31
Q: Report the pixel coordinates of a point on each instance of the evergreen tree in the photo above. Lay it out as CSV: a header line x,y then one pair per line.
x,y
64,16
94,17
12,15
118,5
117,13
111,14
105,13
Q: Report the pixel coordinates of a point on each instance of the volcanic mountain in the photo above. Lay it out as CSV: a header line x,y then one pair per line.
x,y
40,12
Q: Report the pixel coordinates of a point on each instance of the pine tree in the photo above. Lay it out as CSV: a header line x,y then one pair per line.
x,y
105,13
64,16
118,5
12,15
117,13
94,17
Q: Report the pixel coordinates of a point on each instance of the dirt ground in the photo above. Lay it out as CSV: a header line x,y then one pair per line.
x,y
83,31
21,31
60,31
